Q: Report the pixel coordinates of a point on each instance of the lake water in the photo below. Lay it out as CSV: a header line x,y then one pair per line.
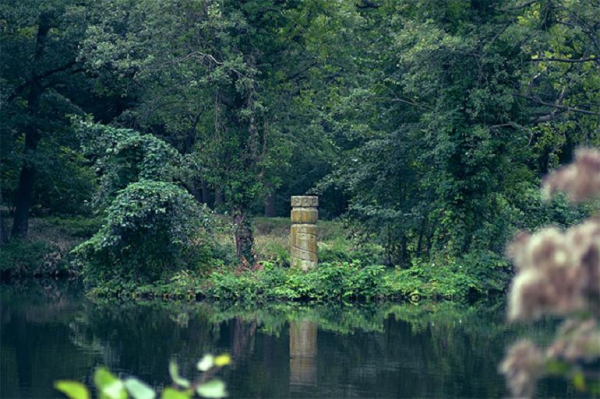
x,y
50,332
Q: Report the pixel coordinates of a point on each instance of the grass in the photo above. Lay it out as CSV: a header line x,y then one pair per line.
x,y
348,271
46,250
271,237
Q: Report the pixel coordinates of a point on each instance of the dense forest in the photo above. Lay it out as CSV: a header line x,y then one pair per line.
x,y
426,125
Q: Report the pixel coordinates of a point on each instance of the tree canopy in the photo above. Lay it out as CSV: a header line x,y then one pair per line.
x,y
428,124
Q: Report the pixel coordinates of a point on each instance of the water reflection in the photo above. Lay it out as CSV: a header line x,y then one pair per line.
x,y
389,350
303,355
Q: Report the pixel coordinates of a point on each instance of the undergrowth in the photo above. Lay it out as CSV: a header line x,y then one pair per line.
x,y
330,282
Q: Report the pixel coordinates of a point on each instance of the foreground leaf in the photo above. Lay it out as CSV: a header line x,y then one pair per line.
x,y
177,379
138,389
206,363
222,360
109,386
212,389
73,389
170,393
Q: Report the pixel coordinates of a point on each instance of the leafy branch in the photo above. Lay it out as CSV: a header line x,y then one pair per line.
x,y
111,387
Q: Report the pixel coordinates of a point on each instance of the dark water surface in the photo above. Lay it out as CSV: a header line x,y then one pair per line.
x,y
49,332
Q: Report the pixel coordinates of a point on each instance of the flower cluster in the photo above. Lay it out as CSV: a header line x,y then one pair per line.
x,y
580,180
522,367
558,273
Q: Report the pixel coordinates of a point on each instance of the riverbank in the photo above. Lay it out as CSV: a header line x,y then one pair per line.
x,y
46,251
348,272
330,282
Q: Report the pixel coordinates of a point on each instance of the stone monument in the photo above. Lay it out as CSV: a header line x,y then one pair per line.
x,y
303,232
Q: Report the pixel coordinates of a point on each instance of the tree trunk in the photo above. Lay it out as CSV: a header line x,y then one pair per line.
x,y
207,197
420,240
244,239
27,177
3,235
404,250
219,200
270,209
195,190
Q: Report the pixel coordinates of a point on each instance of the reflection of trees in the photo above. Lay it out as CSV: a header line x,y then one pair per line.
x,y
141,338
242,339
35,345
434,350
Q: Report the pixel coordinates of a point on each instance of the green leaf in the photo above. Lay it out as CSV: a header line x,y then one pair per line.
x,y
138,389
557,367
177,379
579,381
206,363
109,386
73,389
212,389
170,393
222,360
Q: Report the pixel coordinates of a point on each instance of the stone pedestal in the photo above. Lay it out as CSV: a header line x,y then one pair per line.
x,y
303,233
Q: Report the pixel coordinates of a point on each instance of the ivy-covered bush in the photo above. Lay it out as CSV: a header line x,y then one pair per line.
x,y
152,229
124,156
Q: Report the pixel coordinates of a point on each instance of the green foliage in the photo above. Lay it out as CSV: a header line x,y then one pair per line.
x,y
110,386
65,183
41,168
342,282
426,121
46,251
438,159
473,275
124,156
21,258
80,227
151,229
342,249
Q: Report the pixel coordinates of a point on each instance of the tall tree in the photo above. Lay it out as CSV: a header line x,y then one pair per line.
x,y
454,103
39,74
218,81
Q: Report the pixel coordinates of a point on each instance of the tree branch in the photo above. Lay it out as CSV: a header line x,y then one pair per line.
x,y
525,5
569,60
564,107
37,78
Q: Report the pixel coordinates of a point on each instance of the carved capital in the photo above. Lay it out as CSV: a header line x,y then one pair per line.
x,y
305,201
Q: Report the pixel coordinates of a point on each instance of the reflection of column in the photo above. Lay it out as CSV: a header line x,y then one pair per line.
x,y
303,233
303,354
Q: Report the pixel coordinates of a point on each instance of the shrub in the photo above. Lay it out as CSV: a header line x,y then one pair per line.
x,y
341,249
340,281
125,156
22,258
151,229
432,281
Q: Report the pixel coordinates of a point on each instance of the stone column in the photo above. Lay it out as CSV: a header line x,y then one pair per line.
x,y
303,233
